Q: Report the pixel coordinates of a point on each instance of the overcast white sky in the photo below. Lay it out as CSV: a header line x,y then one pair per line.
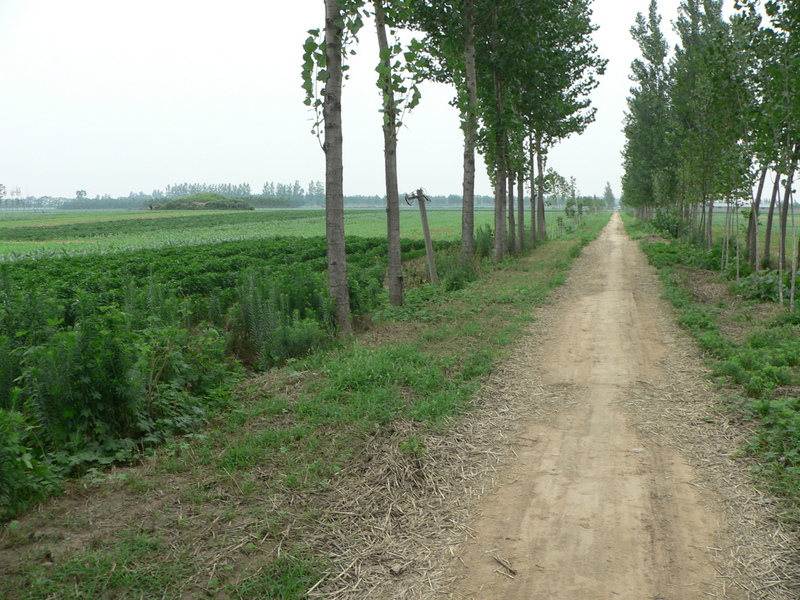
x,y
113,97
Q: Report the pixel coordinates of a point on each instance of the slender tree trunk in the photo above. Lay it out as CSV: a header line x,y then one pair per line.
x,y
752,225
500,237
512,224
534,187
770,218
787,195
470,134
521,211
541,225
334,170
500,240
710,223
793,278
395,265
500,138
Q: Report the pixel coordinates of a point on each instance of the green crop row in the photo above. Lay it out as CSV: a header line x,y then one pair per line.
x,y
144,225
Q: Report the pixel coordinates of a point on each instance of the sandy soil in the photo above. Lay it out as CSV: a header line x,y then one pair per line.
x,y
592,508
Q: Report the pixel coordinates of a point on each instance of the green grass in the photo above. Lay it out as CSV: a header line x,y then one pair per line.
x,y
287,435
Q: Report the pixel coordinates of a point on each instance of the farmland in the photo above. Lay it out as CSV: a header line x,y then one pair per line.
x,y
122,331
26,233
178,367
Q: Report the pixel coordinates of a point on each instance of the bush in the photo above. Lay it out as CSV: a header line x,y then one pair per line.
x,y
455,271
484,241
668,223
264,328
81,385
24,479
761,286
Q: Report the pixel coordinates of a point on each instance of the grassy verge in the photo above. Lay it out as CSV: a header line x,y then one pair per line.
x,y
753,348
228,511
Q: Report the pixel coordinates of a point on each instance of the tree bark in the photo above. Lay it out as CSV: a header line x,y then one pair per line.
x,y
500,233
395,265
534,187
787,198
470,134
334,170
541,225
512,225
521,211
500,240
500,237
752,226
767,263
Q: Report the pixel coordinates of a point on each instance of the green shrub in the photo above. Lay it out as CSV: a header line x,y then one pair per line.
x,y
264,329
81,385
777,442
484,241
762,286
24,478
668,222
455,271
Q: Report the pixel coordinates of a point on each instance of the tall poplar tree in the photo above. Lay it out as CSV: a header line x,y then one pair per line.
x,y
323,72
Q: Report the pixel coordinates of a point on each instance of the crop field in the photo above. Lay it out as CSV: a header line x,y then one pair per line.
x,y
183,352
157,316
26,233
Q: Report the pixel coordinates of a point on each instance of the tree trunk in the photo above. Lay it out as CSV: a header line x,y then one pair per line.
x,y
500,234
752,225
500,241
500,238
541,225
512,224
710,223
787,198
470,135
521,211
534,187
334,170
767,263
395,265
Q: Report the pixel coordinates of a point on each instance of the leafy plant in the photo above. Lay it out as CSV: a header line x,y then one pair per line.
x,y
81,385
24,477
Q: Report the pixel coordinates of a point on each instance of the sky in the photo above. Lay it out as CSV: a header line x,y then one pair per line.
x,y
120,97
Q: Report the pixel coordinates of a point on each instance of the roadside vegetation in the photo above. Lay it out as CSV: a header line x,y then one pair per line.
x,y
224,450
751,341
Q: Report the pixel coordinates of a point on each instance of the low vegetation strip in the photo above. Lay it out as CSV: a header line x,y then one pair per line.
x,y
105,354
752,344
239,507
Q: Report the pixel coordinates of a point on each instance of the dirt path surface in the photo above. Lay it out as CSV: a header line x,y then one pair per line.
x,y
593,508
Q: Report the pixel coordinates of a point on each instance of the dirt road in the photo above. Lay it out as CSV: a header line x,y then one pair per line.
x,y
592,509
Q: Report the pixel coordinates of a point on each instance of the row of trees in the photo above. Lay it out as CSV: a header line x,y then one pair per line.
x,y
522,72
713,121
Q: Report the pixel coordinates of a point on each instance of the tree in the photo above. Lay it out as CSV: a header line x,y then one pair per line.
x,y
608,197
323,72
647,158
399,93
2,191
